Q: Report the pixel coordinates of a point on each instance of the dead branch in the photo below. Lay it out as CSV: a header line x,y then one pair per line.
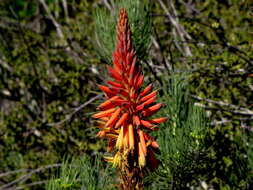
x,y
180,31
55,23
77,109
27,176
238,109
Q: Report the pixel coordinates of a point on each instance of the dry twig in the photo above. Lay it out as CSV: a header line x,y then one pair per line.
x,y
180,31
26,176
237,109
77,109
56,24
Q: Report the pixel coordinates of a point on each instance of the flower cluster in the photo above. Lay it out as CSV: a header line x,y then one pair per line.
x,y
124,116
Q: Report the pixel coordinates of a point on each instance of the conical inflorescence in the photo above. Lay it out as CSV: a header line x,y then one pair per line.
x,y
124,117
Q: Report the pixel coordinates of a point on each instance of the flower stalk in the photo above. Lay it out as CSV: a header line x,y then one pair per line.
x,y
124,117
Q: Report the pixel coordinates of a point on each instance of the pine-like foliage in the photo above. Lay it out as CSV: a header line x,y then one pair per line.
x,y
140,23
82,174
180,139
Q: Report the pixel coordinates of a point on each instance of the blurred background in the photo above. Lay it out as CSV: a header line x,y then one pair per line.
x,y
50,65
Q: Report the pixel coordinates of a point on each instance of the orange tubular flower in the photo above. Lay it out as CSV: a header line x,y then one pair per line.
x,y
127,109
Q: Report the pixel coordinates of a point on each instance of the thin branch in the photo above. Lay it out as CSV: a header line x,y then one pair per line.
x,y
69,48
65,7
247,127
5,65
13,172
183,35
107,4
25,186
224,120
77,109
220,103
157,43
27,176
55,23
236,112
149,63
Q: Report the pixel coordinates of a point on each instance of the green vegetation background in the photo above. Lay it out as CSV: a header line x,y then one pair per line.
x,y
50,68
